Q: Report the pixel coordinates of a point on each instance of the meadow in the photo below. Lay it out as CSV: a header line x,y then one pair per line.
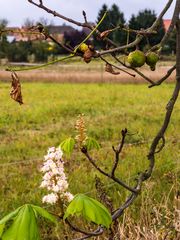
x,y
48,116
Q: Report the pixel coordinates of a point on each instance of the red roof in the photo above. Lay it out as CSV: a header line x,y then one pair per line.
x,y
167,23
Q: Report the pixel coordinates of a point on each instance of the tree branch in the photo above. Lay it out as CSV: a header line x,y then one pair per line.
x,y
140,37
171,103
56,14
160,81
134,69
170,29
118,151
85,152
103,59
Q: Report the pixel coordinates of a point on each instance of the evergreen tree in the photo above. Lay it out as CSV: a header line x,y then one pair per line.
x,y
104,26
114,18
170,46
74,37
3,38
143,20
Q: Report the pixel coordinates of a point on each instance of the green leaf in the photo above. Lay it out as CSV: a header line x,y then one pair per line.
x,y
90,209
24,226
9,216
91,143
43,213
67,145
6,219
2,229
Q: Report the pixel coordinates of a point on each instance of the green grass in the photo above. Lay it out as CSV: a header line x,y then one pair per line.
x,y
48,116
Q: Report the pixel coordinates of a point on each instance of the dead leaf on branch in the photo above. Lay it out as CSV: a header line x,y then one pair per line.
x,y
105,34
88,55
15,92
110,69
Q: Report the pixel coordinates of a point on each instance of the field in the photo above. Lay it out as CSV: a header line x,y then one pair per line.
x,y
77,72
48,116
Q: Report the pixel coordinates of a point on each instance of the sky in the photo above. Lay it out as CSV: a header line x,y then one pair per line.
x,y
16,11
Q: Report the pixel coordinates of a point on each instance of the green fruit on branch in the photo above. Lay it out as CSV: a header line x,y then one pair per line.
x,y
83,47
151,60
136,58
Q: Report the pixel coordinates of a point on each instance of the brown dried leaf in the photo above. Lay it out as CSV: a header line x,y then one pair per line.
x,y
110,69
88,55
15,92
105,34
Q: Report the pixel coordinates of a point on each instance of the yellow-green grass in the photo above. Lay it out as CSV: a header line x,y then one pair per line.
x,y
48,116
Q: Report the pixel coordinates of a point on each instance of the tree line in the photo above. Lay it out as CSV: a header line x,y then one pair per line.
x,y
41,50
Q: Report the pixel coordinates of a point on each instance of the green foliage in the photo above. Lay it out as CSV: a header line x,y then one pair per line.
x,y
91,143
43,213
170,46
90,209
143,20
24,226
114,18
19,51
74,37
67,145
40,50
3,38
24,223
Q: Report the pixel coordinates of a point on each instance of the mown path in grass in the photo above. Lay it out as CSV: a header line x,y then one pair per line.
x,y
48,116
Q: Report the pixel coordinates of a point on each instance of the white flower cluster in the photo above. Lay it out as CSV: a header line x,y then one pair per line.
x,y
54,178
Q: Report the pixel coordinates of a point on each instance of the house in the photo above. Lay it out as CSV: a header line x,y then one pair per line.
x,y
167,23
58,31
24,34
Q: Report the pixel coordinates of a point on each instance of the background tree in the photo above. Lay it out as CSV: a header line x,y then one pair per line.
x,y
73,38
19,51
114,18
3,39
143,20
104,26
28,23
170,46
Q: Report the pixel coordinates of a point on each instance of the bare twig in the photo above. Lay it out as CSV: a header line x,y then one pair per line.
x,y
85,16
170,29
92,161
74,228
168,74
45,33
118,151
56,14
162,145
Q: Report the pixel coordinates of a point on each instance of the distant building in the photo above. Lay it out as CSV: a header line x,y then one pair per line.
x,y
22,34
167,23
58,31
